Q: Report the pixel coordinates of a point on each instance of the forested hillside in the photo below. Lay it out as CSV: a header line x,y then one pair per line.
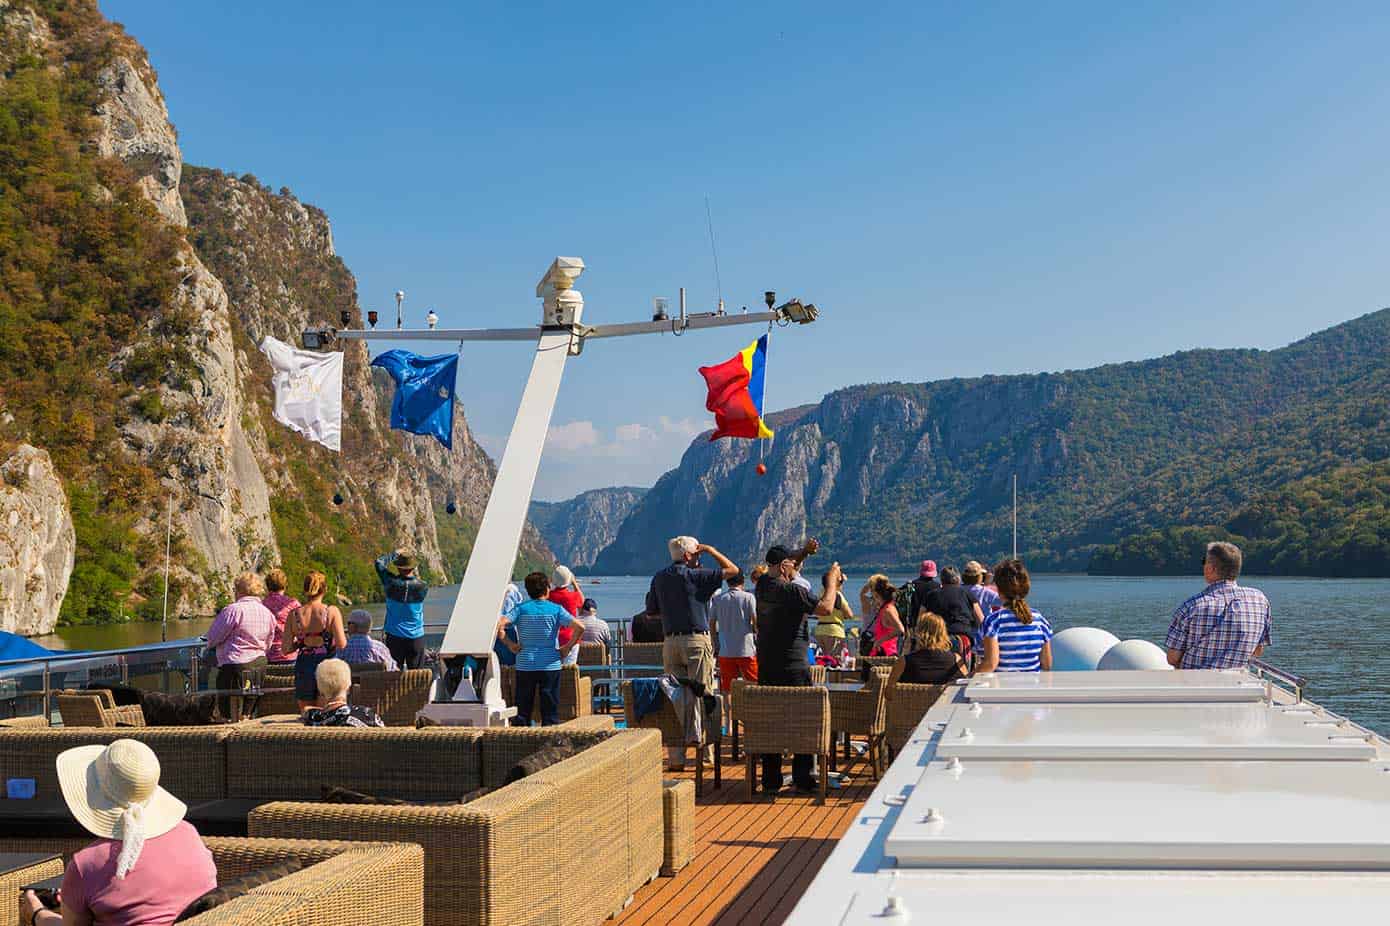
x,y
131,393
887,474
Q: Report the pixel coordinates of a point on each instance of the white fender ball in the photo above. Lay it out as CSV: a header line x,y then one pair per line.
x,y
1078,649
1134,654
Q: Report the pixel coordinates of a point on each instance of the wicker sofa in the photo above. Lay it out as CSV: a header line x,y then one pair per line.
x,y
473,853
341,883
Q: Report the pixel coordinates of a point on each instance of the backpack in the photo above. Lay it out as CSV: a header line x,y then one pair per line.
x,y
904,599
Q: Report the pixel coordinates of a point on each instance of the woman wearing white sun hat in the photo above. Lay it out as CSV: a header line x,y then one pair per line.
x,y
147,863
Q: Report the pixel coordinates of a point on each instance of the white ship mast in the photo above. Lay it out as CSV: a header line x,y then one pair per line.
x,y
560,335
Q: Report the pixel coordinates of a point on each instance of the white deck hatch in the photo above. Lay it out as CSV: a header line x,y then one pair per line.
x,y
1189,685
1249,731
1119,814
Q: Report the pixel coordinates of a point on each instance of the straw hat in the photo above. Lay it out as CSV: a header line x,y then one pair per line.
x,y
561,577
114,792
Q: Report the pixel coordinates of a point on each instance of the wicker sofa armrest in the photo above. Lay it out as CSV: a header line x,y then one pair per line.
x,y
472,852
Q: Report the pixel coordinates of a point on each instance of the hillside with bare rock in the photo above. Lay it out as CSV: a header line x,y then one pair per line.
x,y
126,361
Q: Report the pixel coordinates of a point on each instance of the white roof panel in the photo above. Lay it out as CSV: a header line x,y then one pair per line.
x,y
1088,898
1148,731
1123,686
1123,814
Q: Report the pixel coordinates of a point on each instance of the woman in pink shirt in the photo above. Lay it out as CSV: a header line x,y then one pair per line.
x,y
147,863
280,605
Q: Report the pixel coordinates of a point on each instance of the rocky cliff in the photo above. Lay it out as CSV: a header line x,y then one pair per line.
x,y
888,474
275,256
36,542
577,529
125,359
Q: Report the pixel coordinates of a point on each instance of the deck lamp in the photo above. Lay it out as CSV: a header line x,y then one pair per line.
x,y
317,338
371,318
769,297
345,318
794,311
450,507
431,319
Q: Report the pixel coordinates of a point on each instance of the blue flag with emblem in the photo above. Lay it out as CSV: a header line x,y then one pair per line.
x,y
424,401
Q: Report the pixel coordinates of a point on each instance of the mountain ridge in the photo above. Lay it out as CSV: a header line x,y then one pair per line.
x,y
888,473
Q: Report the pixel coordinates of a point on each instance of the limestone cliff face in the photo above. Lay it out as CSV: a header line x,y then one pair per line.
x,y
200,449
36,542
579,528
184,395
275,254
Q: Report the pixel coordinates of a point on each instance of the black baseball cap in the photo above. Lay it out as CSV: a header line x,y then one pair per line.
x,y
776,554
589,605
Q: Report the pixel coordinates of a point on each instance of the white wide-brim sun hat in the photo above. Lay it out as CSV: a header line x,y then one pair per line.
x,y
100,783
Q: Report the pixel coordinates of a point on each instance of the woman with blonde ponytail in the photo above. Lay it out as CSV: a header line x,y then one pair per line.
x,y
1017,638
314,631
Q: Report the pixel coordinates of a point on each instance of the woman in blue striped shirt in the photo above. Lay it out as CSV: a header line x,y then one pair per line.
x,y
1017,638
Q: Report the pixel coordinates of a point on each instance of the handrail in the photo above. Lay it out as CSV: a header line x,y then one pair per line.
x,y
61,656
1297,682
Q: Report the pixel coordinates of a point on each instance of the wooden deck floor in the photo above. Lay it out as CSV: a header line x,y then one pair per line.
x,y
751,861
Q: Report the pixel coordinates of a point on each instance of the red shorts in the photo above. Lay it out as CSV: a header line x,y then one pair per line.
x,y
732,667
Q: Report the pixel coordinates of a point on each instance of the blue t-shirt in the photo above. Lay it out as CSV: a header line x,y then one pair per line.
x,y
538,624
1019,644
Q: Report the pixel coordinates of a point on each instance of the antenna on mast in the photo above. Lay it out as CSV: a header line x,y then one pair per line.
x,y
714,253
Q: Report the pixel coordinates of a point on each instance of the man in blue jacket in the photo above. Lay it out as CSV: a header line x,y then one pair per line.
x,y
405,608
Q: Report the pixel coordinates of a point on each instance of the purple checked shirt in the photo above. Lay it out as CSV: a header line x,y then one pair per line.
x,y
1220,627
242,631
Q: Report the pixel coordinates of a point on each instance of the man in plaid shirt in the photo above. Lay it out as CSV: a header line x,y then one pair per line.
x,y
1223,626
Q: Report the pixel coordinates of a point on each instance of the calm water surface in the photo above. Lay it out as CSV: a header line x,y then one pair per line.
x,y
1324,629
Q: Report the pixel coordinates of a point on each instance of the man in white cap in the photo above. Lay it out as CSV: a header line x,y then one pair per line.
x,y
148,863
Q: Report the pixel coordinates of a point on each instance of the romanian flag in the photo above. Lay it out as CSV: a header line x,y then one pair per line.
x,y
736,393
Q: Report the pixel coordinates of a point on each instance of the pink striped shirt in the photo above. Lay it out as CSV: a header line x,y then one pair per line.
x,y
242,631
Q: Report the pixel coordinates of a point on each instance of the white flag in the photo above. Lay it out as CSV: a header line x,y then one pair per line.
x,y
308,391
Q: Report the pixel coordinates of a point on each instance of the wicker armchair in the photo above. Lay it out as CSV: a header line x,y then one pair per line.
x,y
576,692
863,713
643,654
735,692
96,708
817,674
778,719
341,883
395,696
907,704
11,883
673,735
593,654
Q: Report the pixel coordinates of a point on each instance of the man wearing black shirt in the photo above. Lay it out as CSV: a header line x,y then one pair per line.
x,y
954,605
782,643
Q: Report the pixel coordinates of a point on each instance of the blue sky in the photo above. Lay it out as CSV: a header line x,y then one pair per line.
x,y
964,188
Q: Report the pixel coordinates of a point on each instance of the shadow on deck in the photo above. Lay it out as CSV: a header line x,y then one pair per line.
x,y
751,861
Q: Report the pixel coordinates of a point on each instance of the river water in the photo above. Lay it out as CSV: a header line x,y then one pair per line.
x,y
1326,630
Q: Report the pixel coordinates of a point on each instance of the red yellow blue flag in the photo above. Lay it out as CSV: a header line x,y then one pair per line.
x,y
736,393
